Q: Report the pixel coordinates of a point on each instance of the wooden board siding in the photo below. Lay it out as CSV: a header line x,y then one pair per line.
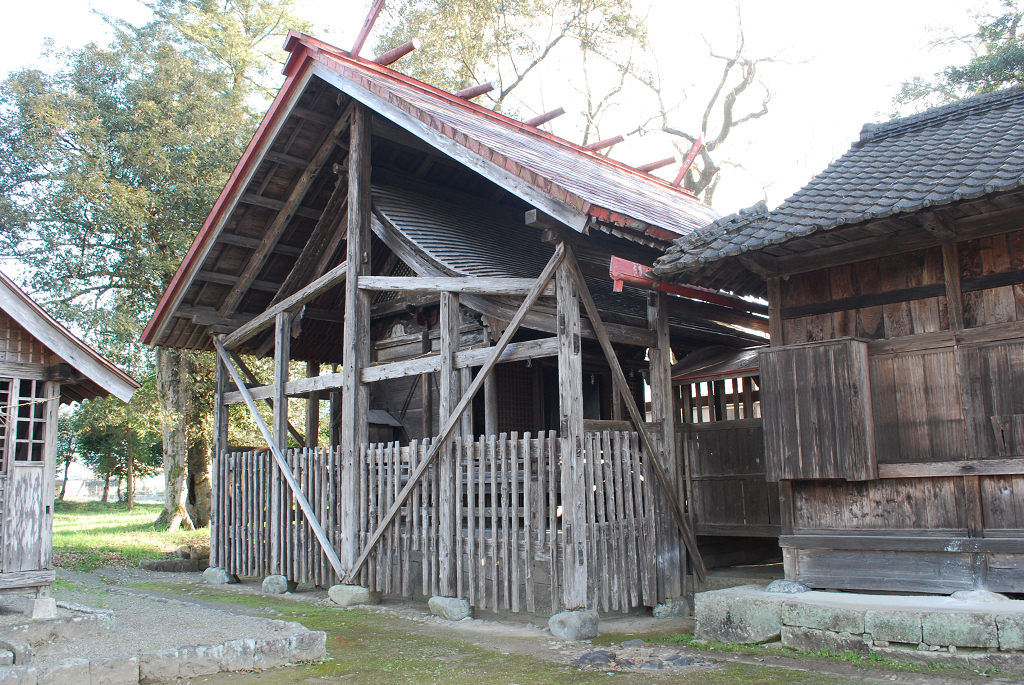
x,y
825,430
994,375
18,346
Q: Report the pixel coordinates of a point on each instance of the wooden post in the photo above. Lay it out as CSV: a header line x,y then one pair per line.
x,y
570,414
466,379
449,395
777,339
335,430
426,391
490,406
663,411
282,356
220,446
356,346
313,408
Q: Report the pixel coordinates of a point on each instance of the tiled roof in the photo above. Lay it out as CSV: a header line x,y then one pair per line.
x,y
956,152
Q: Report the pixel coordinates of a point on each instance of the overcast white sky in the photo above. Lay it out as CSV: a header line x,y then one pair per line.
x,y
847,60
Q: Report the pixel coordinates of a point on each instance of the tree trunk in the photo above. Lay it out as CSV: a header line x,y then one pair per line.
x,y
119,498
64,487
106,490
173,390
130,486
200,485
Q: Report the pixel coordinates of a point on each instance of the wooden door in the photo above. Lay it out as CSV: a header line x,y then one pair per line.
x,y
28,520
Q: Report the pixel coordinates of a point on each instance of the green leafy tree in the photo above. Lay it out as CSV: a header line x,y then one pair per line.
x,y
997,61
67,444
108,167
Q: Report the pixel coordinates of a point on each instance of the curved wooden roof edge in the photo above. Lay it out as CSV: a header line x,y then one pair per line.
x,y
16,303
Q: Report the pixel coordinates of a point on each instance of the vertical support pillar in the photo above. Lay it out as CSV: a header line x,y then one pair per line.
x,y
570,414
313,408
335,430
490,405
220,446
356,346
449,397
426,391
282,356
670,556
777,334
466,379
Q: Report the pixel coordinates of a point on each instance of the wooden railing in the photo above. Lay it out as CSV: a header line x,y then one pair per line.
x,y
505,535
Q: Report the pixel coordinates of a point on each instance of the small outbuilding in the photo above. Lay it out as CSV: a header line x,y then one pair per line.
x,y
891,396
41,366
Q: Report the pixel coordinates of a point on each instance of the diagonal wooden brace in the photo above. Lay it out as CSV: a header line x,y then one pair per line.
x,y
638,420
455,417
307,509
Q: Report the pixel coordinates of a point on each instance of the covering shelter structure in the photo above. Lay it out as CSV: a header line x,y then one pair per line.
x,y
442,270
41,366
893,415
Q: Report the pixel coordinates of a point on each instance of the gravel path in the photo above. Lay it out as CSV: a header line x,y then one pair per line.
x,y
142,621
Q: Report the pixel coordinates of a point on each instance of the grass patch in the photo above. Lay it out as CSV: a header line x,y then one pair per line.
x,y
87,535
367,647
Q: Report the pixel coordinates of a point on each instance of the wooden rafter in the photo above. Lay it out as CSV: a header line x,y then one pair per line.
x,y
284,216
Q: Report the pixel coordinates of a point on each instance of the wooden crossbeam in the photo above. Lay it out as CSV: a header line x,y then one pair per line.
x,y
264,320
471,285
282,465
669,493
284,216
454,419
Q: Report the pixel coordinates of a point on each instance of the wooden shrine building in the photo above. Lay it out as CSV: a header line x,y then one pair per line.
x,y
41,366
443,271
893,390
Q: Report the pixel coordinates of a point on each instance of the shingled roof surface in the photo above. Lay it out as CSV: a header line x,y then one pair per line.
x,y
956,152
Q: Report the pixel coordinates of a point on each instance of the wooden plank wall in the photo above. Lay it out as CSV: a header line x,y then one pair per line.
x,y
942,393
18,346
508,552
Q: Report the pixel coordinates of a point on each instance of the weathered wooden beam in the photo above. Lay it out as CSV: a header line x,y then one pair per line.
x,y
700,570
282,359
449,391
364,30
277,205
287,160
470,285
397,53
284,216
606,143
570,434
545,117
251,378
282,465
453,420
228,279
263,321
474,91
663,412
531,349
356,341
654,166
961,467
253,243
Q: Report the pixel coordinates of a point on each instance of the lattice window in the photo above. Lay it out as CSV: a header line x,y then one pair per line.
x,y
725,400
30,421
5,401
514,381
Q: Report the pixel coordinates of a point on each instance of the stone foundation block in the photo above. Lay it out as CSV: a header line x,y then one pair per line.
x,y
118,670
672,608
67,672
574,625
922,657
813,640
218,576
278,585
19,675
271,653
159,666
309,645
450,608
835,619
788,587
6,657
22,651
893,626
239,655
41,608
352,595
199,661
1011,632
735,616
963,629
1004,663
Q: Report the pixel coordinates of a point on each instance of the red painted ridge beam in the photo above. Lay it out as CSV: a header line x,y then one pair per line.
x,y
624,271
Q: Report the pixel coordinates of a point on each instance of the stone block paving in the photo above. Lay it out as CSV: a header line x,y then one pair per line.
x,y
148,639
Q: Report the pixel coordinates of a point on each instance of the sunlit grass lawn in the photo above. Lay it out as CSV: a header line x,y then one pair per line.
x,y
87,535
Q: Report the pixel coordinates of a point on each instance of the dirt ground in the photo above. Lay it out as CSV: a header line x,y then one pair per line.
x,y
400,642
